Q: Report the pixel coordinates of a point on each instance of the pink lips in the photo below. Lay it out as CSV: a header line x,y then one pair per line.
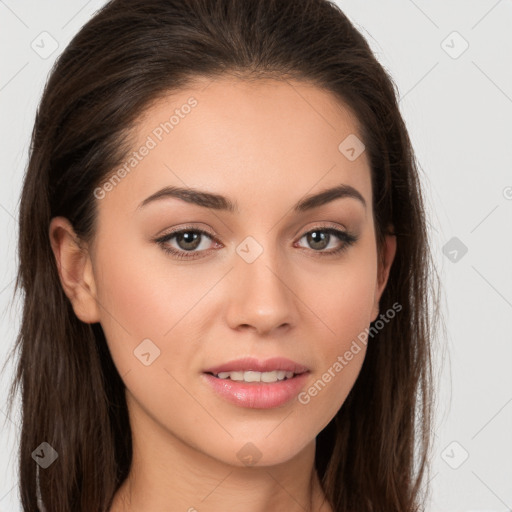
x,y
258,395
250,363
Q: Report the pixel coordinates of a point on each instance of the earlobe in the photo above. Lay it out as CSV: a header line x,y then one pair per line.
x,y
388,256
75,269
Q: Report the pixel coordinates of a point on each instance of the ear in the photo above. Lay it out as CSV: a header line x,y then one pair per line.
x,y
385,260
75,269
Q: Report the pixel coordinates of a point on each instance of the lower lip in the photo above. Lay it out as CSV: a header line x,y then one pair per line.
x,y
257,395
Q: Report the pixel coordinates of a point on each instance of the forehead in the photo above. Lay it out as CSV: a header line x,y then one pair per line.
x,y
292,111
276,138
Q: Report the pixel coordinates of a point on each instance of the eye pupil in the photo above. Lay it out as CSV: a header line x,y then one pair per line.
x,y
317,239
191,239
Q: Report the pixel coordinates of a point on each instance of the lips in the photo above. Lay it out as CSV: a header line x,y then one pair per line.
x,y
256,395
252,364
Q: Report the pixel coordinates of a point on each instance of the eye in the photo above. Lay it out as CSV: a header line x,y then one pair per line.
x,y
322,238
187,242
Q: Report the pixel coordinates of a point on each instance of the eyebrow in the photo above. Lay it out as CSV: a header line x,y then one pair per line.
x,y
222,203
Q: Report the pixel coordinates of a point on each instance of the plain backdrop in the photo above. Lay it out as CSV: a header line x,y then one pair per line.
x,y
451,61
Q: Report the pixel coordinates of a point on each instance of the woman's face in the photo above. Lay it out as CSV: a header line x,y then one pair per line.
x,y
252,274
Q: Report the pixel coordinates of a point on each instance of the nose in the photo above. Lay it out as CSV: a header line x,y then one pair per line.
x,y
261,296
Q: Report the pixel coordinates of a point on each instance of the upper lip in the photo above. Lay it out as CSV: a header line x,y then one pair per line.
x,y
250,363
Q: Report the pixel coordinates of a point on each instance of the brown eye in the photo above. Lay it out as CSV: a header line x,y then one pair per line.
x,y
186,243
188,240
320,239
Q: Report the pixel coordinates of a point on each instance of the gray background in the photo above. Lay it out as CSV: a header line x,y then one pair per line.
x,y
457,103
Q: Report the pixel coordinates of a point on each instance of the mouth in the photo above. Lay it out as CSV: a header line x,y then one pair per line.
x,y
251,369
258,384
251,376
261,390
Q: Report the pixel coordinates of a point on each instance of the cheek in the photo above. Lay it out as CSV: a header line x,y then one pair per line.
x,y
145,296
344,310
134,298
142,301
344,296
340,352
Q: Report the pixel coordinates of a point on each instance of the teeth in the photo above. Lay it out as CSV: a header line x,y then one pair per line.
x,y
251,376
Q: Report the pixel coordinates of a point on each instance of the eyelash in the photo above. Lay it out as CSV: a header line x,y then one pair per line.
x,y
347,239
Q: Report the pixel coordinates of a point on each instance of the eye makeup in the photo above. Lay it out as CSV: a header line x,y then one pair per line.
x,y
319,234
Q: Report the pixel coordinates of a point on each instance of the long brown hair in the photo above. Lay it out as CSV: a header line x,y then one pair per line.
x,y
373,456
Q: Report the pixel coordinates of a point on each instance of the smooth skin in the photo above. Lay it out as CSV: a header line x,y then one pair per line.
x,y
265,145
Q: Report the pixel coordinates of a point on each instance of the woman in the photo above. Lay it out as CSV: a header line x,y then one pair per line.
x,y
225,267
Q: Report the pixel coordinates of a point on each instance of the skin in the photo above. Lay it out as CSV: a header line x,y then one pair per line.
x,y
249,142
